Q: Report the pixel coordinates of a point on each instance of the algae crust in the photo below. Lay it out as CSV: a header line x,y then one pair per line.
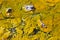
x,y
27,25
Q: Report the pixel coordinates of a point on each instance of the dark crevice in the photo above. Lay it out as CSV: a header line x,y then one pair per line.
x,y
35,31
9,17
10,37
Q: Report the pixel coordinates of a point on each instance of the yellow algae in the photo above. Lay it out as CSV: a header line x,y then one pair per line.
x,y
42,23
52,1
6,35
1,31
1,1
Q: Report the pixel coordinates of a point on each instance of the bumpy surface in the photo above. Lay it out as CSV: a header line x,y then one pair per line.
x,y
26,25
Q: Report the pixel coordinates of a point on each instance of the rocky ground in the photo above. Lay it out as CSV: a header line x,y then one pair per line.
x,y
19,23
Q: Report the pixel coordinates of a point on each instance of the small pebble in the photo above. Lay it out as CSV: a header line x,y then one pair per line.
x,y
9,10
29,7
